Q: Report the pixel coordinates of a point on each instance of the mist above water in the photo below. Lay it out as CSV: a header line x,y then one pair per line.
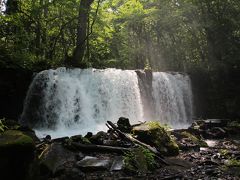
x,y
65,102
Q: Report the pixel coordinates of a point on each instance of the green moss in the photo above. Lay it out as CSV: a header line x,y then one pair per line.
x,y
139,161
233,163
234,124
196,140
3,127
224,152
81,139
15,139
153,133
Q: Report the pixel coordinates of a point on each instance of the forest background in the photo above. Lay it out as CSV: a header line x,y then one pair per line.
x,y
201,38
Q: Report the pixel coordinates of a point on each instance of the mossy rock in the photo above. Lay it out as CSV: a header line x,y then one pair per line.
x,y
80,139
13,139
194,139
154,134
16,154
139,161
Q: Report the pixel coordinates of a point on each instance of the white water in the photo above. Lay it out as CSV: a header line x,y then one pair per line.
x,y
78,101
172,99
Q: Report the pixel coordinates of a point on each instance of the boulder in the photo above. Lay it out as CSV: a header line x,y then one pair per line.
x,y
117,164
154,134
54,158
80,139
124,125
16,154
90,163
99,138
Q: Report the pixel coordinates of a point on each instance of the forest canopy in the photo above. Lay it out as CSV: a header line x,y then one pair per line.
x,y
180,35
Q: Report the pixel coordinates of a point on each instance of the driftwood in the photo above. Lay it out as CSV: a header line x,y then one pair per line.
x,y
135,141
96,148
134,125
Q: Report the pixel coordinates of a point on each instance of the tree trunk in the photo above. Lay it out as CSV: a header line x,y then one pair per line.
x,y
83,15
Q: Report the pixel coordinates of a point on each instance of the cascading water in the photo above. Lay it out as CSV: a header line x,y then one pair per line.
x,y
172,98
74,101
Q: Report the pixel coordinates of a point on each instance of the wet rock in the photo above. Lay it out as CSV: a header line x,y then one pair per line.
x,y
48,138
124,125
90,163
72,174
137,162
110,142
54,158
60,140
117,164
88,135
80,139
80,156
215,133
190,141
186,144
99,138
154,134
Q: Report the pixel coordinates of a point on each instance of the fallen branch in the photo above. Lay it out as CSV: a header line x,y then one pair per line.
x,y
135,141
96,148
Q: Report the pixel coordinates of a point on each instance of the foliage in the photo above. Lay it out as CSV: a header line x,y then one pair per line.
x,y
155,124
198,37
154,134
140,160
233,163
3,127
161,34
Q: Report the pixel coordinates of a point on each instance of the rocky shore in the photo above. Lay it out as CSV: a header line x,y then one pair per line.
x,y
208,149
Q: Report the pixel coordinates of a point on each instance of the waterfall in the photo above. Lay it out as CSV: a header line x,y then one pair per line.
x,y
75,101
172,98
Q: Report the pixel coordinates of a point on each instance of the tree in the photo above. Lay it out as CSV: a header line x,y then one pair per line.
x,y
83,16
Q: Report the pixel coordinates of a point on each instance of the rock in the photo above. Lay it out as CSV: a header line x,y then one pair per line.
x,y
80,139
61,139
72,174
137,162
98,138
117,164
154,134
89,163
54,158
15,140
88,135
124,125
79,156
194,139
16,154
29,132
186,144
48,138
215,133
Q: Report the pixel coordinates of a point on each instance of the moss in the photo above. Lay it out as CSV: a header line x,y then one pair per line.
x,y
3,127
15,139
81,139
224,152
139,161
194,139
153,133
234,124
233,163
